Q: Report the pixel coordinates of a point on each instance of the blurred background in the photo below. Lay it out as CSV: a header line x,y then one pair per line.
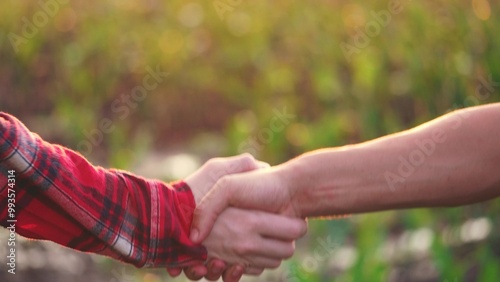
x,y
159,86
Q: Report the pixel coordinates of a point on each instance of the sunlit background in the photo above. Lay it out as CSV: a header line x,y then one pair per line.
x,y
160,86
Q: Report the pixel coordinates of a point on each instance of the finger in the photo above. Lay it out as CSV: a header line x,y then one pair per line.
x,y
263,164
281,227
195,272
209,210
233,274
252,270
264,261
174,271
275,249
215,269
240,163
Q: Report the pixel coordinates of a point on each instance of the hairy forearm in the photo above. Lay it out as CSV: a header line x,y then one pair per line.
x,y
449,161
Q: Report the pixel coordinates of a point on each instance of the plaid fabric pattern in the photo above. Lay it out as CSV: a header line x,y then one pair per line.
x,y
61,197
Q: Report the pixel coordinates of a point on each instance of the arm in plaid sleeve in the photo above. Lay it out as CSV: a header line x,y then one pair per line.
x,y
63,198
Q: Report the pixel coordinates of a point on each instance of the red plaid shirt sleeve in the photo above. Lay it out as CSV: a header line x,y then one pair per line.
x,y
61,197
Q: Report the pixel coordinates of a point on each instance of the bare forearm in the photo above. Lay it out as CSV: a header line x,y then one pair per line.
x,y
450,161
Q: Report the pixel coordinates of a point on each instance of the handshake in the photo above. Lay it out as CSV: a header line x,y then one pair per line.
x,y
247,214
247,217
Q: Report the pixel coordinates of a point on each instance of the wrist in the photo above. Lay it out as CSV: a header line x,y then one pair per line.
x,y
197,195
321,183
295,177
196,188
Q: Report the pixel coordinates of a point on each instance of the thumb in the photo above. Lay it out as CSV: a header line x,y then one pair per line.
x,y
241,163
209,209
262,164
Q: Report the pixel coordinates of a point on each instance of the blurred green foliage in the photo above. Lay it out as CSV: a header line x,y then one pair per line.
x,y
233,64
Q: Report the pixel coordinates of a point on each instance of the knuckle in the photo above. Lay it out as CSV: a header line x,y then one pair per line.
x,y
224,181
301,229
247,161
243,249
275,264
247,156
254,271
289,251
298,230
259,271
213,163
251,221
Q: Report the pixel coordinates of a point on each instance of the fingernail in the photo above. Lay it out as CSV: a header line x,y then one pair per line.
x,y
194,235
238,272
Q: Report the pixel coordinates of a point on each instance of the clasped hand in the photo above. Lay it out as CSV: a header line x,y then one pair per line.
x,y
238,241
